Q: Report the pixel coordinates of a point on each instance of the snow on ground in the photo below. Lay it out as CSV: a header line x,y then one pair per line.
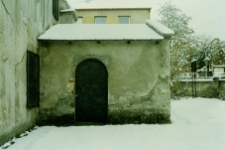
x,y
198,124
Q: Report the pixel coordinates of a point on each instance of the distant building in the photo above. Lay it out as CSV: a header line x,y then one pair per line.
x,y
108,13
219,71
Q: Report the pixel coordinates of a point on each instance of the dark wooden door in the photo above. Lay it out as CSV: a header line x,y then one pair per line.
x,y
91,92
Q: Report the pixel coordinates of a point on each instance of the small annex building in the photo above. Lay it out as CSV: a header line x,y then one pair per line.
x,y
105,73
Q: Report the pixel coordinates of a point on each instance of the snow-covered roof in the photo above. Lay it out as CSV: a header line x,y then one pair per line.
x,y
109,4
159,28
100,32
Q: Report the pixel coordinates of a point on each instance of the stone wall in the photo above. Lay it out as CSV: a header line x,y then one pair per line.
x,y
138,83
208,88
21,22
221,94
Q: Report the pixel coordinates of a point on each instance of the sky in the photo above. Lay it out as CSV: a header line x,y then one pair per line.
x,y
208,16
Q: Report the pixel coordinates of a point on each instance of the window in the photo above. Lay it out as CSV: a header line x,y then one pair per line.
x,y
55,9
100,20
32,80
79,20
124,20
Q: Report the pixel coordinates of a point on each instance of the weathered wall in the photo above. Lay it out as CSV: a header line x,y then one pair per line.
x,y
21,22
138,83
136,16
203,89
210,89
221,92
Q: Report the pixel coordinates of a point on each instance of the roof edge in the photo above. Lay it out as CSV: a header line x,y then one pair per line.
x,y
133,8
47,39
77,32
159,28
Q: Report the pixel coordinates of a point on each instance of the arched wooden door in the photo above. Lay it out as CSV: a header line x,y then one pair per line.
x,y
91,92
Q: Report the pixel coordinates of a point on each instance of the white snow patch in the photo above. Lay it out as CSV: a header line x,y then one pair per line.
x,y
159,28
68,10
100,32
198,124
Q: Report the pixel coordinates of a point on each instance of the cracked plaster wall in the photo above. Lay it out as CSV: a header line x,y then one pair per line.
x,y
138,83
21,22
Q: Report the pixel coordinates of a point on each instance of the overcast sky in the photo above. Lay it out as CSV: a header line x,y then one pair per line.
x,y
208,16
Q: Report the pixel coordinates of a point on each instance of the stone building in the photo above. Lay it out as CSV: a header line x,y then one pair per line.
x,y
21,22
85,73
105,73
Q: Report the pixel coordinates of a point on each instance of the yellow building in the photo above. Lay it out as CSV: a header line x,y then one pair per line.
x,y
109,13
113,16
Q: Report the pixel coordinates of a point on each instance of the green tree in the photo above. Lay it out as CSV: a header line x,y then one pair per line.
x,y
183,42
218,56
210,51
185,45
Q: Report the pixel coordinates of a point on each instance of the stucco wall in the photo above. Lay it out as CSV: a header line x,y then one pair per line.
x,y
136,16
21,22
138,83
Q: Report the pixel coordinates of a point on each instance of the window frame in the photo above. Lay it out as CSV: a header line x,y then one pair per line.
x,y
33,79
101,17
80,20
123,17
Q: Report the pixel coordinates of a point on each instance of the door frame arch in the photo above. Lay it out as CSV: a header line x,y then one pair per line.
x,y
81,59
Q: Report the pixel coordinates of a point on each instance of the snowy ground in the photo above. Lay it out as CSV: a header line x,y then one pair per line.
x,y
198,124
